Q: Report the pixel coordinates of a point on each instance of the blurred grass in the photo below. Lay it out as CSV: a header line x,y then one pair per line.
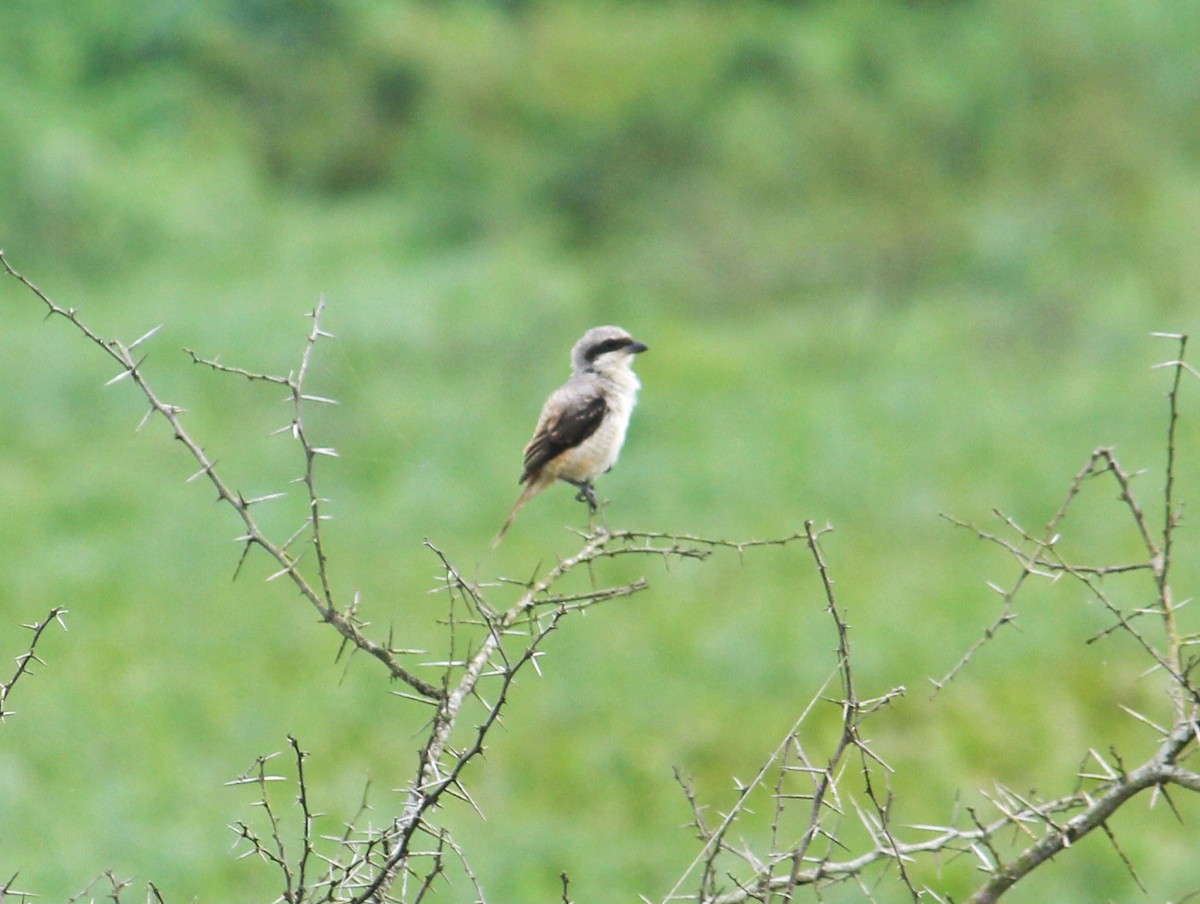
x,y
891,260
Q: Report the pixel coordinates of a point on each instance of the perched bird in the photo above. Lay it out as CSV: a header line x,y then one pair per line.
x,y
583,423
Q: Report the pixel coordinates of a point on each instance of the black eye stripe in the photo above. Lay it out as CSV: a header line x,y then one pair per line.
x,y
608,345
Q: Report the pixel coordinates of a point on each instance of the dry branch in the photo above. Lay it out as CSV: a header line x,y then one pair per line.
x,y
1048,827
319,594
26,659
831,809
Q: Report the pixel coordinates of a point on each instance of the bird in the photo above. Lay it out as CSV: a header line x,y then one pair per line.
x,y
582,425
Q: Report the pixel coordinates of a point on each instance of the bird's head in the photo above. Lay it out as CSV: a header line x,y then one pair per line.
x,y
603,348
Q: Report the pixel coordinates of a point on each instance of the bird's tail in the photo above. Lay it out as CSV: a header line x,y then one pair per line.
x,y
532,488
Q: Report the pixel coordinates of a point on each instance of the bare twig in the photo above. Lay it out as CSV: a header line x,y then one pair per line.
x,y
493,631
320,595
440,769
1028,831
26,659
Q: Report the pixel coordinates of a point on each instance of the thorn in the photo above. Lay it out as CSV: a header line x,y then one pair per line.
x,y
279,574
207,469
1162,731
266,498
142,338
119,377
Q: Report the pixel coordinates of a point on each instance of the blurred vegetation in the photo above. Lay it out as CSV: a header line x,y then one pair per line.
x,y
891,259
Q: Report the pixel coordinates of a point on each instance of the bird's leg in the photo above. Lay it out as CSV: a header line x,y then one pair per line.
x,y
587,493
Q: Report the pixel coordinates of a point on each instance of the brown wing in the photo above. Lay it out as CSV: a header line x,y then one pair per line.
x,y
564,430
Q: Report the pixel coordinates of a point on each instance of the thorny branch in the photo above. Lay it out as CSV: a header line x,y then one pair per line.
x,y
320,595
536,612
387,864
785,868
26,659
490,642
1049,827
1166,651
111,888
392,863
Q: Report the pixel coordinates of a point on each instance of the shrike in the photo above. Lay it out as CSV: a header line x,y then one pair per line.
x,y
583,423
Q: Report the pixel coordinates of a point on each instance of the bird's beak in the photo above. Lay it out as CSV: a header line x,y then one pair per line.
x,y
637,348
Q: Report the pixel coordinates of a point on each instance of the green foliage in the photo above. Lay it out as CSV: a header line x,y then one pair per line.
x,y
891,259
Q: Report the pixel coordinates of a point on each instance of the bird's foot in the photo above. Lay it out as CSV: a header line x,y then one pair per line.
x,y
588,494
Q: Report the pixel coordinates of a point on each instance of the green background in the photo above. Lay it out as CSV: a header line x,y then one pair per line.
x,y
891,259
